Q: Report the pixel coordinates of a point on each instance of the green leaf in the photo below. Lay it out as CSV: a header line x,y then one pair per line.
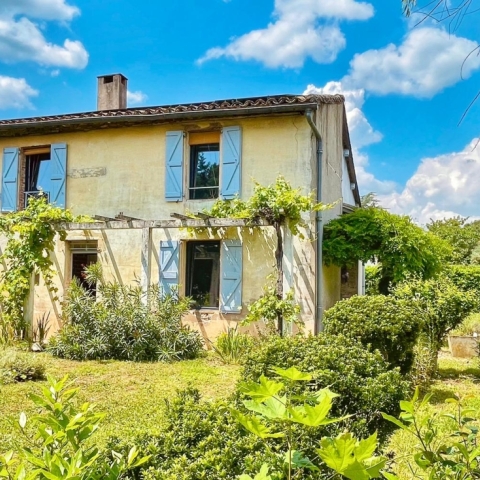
x,y
22,421
299,460
395,421
253,425
390,476
292,374
366,448
262,475
337,452
261,391
273,408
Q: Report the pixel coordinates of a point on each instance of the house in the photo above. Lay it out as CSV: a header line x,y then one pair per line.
x,y
140,171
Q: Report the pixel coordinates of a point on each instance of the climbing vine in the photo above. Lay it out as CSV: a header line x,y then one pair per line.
x,y
30,235
280,205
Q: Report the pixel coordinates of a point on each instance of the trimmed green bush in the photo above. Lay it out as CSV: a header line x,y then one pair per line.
x,y
199,439
365,382
465,277
121,325
373,275
18,366
380,322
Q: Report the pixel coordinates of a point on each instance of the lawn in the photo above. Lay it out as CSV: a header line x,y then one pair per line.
x,y
131,394
459,377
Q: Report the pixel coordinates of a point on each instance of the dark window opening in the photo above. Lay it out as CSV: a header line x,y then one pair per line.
x,y
37,176
108,79
204,171
203,273
80,261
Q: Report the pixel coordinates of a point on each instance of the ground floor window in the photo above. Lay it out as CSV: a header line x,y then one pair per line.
x,y
83,255
203,273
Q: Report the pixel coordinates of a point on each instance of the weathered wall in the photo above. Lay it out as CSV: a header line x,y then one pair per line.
x,y
122,170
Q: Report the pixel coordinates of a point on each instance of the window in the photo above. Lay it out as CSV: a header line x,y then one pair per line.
x,y
37,176
27,171
84,254
204,171
203,273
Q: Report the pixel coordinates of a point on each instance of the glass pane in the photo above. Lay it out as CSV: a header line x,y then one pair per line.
x,y
204,171
203,273
43,180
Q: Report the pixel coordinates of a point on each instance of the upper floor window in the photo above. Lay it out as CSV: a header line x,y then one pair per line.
x,y
204,171
28,171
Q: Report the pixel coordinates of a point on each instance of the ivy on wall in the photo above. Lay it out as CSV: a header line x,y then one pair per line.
x,y
30,235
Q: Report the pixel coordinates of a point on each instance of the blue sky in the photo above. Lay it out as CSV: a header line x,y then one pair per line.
x,y
402,81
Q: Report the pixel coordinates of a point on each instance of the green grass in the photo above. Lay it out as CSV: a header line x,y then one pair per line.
x,y
459,377
131,394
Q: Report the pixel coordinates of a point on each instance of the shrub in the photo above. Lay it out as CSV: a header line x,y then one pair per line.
x,y
232,346
199,439
390,325
465,277
443,307
363,379
17,366
121,325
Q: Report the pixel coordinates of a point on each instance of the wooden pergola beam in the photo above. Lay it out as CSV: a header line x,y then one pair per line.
x,y
177,223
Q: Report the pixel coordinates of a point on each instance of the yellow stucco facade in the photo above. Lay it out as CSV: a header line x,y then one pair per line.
x,y
115,170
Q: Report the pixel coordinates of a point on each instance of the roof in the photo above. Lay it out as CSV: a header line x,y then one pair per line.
x,y
164,113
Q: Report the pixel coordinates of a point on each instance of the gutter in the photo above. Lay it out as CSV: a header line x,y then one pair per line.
x,y
318,228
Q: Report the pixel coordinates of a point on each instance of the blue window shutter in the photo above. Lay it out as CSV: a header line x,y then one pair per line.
x,y
231,276
10,179
169,261
58,174
231,162
174,166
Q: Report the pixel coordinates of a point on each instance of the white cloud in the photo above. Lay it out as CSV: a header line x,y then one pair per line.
x,y
136,98
442,186
428,60
296,34
22,40
15,93
44,9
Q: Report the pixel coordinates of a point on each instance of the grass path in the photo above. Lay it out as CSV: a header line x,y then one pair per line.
x,y
131,394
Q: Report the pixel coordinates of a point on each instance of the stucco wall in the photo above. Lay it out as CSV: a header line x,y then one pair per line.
x,y
126,174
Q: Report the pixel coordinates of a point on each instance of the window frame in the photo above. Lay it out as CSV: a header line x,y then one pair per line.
x,y
194,150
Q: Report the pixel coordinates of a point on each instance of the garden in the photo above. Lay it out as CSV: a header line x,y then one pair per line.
x,y
125,390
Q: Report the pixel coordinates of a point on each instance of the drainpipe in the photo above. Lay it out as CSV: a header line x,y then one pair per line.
x,y
309,114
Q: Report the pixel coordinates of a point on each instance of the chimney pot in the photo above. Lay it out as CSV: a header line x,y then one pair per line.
x,y
112,92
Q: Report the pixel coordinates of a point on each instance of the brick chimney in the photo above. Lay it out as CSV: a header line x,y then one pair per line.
x,y
112,92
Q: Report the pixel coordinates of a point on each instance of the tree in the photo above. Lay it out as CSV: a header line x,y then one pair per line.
x,y
463,237
400,247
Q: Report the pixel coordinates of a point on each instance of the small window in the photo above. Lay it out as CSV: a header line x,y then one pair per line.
x,y
37,176
203,273
204,171
84,254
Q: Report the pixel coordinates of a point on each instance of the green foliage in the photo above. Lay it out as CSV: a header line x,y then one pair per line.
x,y
277,203
441,304
124,323
373,275
401,247
232,346
268,307
469,326
275,410
18,366
463,237
475,256
363,379
451,455
381,322
465,277
61,448
30,237
199,439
